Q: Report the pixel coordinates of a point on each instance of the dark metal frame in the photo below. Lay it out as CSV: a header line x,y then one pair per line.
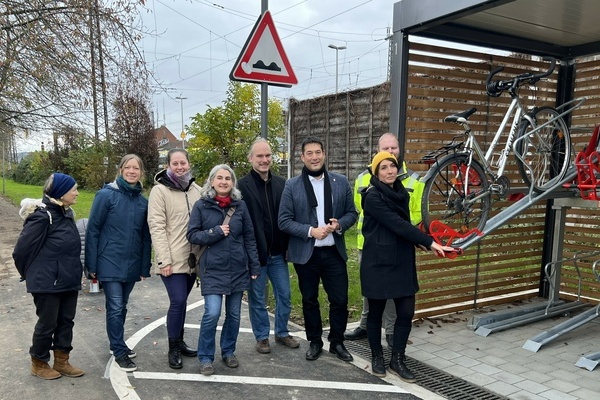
x,y
437,19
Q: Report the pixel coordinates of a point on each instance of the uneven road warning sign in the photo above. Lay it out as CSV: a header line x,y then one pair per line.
x,y
263,59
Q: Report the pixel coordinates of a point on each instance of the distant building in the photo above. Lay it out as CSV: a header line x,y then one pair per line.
x,y
165,141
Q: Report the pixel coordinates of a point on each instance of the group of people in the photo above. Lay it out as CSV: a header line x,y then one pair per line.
x,y
232,236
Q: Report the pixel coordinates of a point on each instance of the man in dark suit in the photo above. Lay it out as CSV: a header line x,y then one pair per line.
x,y
316,209
261,190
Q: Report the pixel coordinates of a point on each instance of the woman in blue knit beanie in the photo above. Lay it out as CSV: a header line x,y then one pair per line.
x,y
47,256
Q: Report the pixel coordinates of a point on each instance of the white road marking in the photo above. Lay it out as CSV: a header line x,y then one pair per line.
x,y
119,378
124,390
253,380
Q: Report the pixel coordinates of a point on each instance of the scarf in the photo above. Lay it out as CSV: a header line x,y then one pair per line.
x,y
396,197
310,193
223,201
181,182
126,187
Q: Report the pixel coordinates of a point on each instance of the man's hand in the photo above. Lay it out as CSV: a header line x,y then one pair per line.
x,y
320,233
333,225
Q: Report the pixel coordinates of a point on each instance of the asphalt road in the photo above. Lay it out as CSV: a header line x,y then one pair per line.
x,y
282,374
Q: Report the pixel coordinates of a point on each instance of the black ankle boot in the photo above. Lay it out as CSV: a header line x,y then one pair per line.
x,y
185,349
377,362
175,354
398,367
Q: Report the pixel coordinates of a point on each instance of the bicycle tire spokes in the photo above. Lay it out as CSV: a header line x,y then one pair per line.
x,y
457,195
545,150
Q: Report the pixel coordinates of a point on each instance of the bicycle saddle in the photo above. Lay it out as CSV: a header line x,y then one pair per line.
x,y
465,114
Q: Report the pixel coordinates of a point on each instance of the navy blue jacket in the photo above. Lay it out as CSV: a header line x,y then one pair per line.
x,y
117,241
228,262
57,266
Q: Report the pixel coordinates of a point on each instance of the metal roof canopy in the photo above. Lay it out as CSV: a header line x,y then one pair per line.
x,y
564,29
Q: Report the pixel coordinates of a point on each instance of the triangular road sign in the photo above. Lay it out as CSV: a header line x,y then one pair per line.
x,y
263,59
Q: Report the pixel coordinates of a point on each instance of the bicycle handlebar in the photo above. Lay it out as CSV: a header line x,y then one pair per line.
x,y
495,88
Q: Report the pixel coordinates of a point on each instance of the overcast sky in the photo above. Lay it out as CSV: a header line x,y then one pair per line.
x,y
195,44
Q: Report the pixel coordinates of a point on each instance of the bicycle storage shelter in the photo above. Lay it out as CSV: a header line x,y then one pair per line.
x,y
563,29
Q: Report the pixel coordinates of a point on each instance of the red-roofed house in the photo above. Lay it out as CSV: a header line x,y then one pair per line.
x,y
165,142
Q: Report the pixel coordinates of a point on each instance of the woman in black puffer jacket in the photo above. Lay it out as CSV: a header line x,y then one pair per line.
x,y
47,256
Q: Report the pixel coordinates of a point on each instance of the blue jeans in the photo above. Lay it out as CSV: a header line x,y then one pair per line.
x,y
209,321
117,297
278,273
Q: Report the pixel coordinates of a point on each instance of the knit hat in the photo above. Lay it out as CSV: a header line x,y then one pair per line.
x,y
379,157
61,184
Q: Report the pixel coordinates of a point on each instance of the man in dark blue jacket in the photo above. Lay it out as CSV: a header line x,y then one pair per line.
x,y
261,191
316,209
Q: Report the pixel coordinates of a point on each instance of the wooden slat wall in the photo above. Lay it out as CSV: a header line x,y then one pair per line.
x,y
506,265
583,225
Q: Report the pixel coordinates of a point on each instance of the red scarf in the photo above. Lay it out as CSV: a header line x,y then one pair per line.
x,y
223,201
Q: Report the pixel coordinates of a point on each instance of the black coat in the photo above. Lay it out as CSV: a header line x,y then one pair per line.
x,y
388,268
260,211
56,267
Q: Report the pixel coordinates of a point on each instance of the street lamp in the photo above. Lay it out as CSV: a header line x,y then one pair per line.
x,y
182,131
337,49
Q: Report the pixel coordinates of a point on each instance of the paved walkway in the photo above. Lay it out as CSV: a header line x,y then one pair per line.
x,y
497,362
282,374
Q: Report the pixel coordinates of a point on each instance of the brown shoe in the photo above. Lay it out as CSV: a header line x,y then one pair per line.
x,y
288,341
231,361
42,370
62,365
263,346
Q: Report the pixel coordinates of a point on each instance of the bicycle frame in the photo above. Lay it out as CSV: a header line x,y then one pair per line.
x,y
471,146
501,163
464,178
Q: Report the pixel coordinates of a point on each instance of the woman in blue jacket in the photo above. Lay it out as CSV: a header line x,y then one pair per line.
x,y
118,247
227,264
47,256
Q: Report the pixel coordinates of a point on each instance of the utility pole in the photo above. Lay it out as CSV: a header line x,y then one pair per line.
x,y
182,130
390,47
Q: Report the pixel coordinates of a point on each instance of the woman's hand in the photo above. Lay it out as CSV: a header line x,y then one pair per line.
x,y
225,229
440,250
166,271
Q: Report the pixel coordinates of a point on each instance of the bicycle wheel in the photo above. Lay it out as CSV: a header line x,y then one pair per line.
x,y
457,195
546,152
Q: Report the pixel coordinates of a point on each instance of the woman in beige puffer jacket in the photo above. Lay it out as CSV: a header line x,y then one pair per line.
x,y
170,204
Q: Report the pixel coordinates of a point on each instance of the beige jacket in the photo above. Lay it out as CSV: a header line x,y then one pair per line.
x,y
168,217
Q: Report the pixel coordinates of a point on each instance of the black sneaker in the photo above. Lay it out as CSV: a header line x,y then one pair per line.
x,y
125,363
130,353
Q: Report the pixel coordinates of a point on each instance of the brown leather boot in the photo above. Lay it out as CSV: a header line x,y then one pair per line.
x,y
42,370
61,364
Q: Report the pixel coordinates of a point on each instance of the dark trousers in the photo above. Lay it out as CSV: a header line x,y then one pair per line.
x,y
327,266
405,310
178,287
54,328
